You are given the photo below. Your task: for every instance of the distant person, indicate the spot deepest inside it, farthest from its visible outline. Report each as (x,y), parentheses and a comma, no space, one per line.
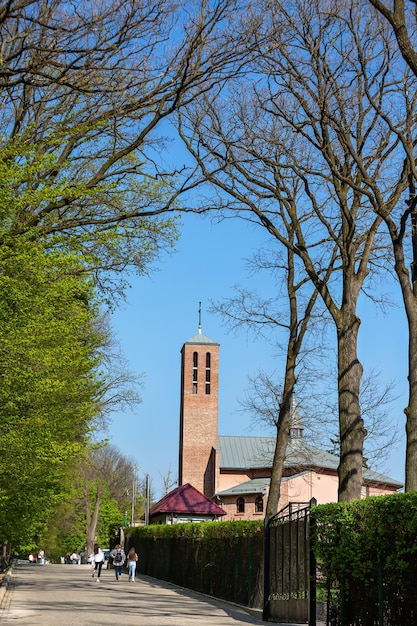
(30,557)
(119,557)
(41,556)
(132,559)
(97,560)
(62,559)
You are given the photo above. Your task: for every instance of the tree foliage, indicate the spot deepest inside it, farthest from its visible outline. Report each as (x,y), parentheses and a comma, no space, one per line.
(85,91)
(49,361)
(100,493)
(93,505)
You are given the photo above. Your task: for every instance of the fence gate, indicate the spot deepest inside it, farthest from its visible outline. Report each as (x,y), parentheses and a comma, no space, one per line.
(289,575)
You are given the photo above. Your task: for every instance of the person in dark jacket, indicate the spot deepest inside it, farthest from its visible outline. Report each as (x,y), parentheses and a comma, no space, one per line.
(118,556)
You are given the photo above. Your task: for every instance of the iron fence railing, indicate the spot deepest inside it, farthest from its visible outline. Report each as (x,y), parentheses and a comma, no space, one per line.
(289,590)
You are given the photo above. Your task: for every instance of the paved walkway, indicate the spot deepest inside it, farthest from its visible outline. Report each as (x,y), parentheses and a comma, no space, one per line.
(66,595)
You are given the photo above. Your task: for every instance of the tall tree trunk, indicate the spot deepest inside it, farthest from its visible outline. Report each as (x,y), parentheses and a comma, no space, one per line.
(298,329)
(409,292)
(411,409)
(283,432)
(91,520)
(352,432)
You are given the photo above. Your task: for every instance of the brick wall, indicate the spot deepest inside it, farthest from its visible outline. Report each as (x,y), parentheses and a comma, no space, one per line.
(198,417)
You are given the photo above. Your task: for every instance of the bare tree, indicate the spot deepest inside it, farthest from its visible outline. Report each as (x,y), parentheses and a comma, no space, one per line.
(118,387)
(168,481)
(402,18)
(104,468)
(85,87)
(246,309)
(309,114)
(402,224)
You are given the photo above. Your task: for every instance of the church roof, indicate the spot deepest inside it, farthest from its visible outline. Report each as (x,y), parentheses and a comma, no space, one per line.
(202,339)
(254,486)
(240,453)
(186,499)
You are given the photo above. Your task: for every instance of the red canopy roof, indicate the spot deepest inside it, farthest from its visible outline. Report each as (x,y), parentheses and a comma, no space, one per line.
(186,499)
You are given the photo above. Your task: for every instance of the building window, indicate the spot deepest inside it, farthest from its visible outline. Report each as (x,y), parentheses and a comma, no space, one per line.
(208,372)
(259,504)
(240,505)
(195,369)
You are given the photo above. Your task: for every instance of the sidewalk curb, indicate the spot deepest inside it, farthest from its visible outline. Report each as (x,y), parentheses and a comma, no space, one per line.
(252,612)
(256,613)
(4,585)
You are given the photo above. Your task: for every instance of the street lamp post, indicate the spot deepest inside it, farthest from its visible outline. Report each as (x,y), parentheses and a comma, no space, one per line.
(147,501)
(135,468)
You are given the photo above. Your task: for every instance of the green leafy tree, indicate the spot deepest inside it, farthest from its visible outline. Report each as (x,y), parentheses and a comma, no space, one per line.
(49,364)
(105,477)
(94,82)
(95,504)
(85,88)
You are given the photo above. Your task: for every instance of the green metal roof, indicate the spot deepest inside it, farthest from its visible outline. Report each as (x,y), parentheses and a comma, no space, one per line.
(254,486)
(250,453)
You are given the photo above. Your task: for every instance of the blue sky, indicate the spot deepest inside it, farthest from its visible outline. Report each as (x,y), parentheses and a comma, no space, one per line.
(161,313)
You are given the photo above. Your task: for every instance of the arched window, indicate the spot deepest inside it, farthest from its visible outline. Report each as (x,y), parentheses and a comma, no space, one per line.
(240,505)
(195,369)
(208,372)
(259,504)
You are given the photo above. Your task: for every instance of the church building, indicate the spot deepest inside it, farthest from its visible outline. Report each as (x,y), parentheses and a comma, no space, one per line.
(234,472)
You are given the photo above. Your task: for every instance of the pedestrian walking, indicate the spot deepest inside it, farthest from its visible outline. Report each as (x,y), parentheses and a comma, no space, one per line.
(132,559)
(119,557)
(97,560)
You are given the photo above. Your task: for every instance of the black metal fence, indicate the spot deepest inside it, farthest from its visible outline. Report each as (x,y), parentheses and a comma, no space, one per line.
(363,573)
(289,568)
(226,568)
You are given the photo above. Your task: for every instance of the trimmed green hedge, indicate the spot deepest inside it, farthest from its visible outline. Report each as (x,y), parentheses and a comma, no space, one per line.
(221,559)
(366,553)
(366,556)
(226,530)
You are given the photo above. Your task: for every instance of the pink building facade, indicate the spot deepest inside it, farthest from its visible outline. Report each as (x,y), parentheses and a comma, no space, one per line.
(234,472)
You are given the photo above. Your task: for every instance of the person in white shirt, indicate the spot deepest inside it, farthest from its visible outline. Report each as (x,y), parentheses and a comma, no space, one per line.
(97,559)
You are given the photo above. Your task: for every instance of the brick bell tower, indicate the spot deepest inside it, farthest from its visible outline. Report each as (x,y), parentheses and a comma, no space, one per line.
(199,413)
